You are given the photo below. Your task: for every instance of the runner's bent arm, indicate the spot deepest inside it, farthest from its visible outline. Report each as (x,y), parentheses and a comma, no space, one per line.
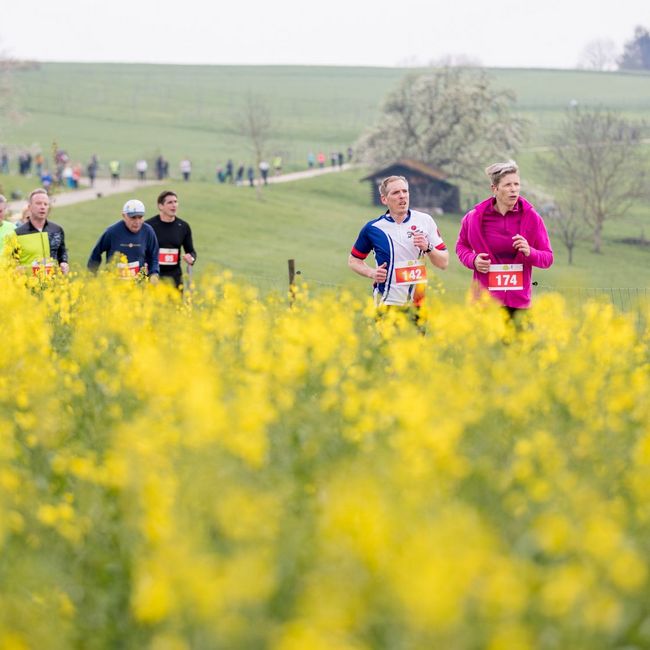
(188,246)
(433,246)
(62,252)
(541,253)
(465,253)
(152,250)
(359,266)
(361,249)
(95,258)
(439,258)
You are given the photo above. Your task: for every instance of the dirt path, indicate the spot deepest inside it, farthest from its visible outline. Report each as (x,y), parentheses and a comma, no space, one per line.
(104,187)
(308,173)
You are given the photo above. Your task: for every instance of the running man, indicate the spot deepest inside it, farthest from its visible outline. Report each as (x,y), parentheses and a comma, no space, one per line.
(173,234)
(401,239)
(41,243)
(134,239)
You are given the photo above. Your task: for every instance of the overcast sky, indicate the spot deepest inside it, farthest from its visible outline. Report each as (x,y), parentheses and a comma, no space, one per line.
(509,33)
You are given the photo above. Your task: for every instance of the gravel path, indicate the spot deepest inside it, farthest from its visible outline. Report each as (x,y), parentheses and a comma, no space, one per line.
(103,187)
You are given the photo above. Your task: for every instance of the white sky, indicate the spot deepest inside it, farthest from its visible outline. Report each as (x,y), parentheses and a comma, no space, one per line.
(509,33)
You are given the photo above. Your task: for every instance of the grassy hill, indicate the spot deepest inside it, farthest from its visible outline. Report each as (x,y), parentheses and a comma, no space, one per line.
(544,95)
(315,222)
(129,111)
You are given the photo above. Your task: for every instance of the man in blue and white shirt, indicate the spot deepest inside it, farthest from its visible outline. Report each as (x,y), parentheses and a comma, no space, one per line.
(401,240)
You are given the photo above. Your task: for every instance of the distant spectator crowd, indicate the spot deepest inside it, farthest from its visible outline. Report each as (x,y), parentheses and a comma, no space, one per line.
(64,172)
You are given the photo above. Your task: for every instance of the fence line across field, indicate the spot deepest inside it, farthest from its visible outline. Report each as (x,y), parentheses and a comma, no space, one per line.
(623,298)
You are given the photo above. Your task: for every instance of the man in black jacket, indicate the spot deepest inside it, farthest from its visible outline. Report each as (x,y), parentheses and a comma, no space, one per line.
(41,243)
(173,234)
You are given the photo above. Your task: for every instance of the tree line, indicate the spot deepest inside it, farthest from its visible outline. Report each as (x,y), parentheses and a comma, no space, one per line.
(602,54)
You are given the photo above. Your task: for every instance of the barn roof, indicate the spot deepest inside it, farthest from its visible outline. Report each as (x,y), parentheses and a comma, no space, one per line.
(413,165)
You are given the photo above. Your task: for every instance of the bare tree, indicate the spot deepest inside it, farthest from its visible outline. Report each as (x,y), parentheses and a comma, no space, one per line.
(565,222)
(596,159)
(599,54)
(450,118)
(256,124)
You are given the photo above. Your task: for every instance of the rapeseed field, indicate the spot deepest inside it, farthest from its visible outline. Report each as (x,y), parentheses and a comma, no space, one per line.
(232,472)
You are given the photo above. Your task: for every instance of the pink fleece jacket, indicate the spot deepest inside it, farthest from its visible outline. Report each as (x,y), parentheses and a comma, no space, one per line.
(472,241)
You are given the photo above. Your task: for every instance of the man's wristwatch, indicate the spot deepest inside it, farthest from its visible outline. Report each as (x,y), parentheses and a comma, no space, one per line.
(429,248)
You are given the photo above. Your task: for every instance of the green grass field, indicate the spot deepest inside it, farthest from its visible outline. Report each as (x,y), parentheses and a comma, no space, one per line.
(315,222)
(129,111)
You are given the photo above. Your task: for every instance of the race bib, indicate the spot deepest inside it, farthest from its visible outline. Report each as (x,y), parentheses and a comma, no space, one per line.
(505,277)
(128,269)
(411,272)
(38,267)
(168,256)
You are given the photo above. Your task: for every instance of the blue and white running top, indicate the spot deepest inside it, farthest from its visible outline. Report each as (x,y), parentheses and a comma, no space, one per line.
(392,243)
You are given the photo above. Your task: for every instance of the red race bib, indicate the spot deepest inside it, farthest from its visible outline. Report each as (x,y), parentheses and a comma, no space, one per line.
(411,272)
(506,277)
(128,270)
(47,268)
(168,256)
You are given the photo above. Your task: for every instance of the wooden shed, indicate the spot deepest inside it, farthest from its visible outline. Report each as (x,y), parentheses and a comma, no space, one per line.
(428,187)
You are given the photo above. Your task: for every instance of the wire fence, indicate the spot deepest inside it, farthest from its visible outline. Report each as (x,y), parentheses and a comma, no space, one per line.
(622,298)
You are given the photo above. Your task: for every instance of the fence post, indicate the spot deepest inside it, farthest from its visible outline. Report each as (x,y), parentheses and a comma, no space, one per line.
(292,278)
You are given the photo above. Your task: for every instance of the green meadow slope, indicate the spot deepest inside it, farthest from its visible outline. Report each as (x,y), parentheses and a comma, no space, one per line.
(133,110)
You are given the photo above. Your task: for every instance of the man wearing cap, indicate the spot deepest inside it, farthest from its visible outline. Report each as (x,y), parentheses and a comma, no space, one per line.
(134,239)
(41,243)
(173,234)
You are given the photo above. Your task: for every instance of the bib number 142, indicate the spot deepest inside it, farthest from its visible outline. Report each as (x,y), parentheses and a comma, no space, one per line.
(411,272)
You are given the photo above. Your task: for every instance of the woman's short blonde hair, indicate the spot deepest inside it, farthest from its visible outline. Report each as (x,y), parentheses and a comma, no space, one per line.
(496,171)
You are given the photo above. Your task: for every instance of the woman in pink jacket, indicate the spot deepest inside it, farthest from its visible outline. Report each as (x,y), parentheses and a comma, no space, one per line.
(502,238)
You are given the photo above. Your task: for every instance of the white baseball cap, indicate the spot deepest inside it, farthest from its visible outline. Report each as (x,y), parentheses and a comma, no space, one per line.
(133,208)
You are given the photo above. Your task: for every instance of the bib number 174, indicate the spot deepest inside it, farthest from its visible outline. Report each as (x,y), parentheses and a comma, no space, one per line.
(505,277)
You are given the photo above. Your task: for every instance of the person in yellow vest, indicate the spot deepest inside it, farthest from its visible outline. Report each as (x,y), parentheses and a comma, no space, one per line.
(6,227)
(41,243)
(6,230)
(114,169)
